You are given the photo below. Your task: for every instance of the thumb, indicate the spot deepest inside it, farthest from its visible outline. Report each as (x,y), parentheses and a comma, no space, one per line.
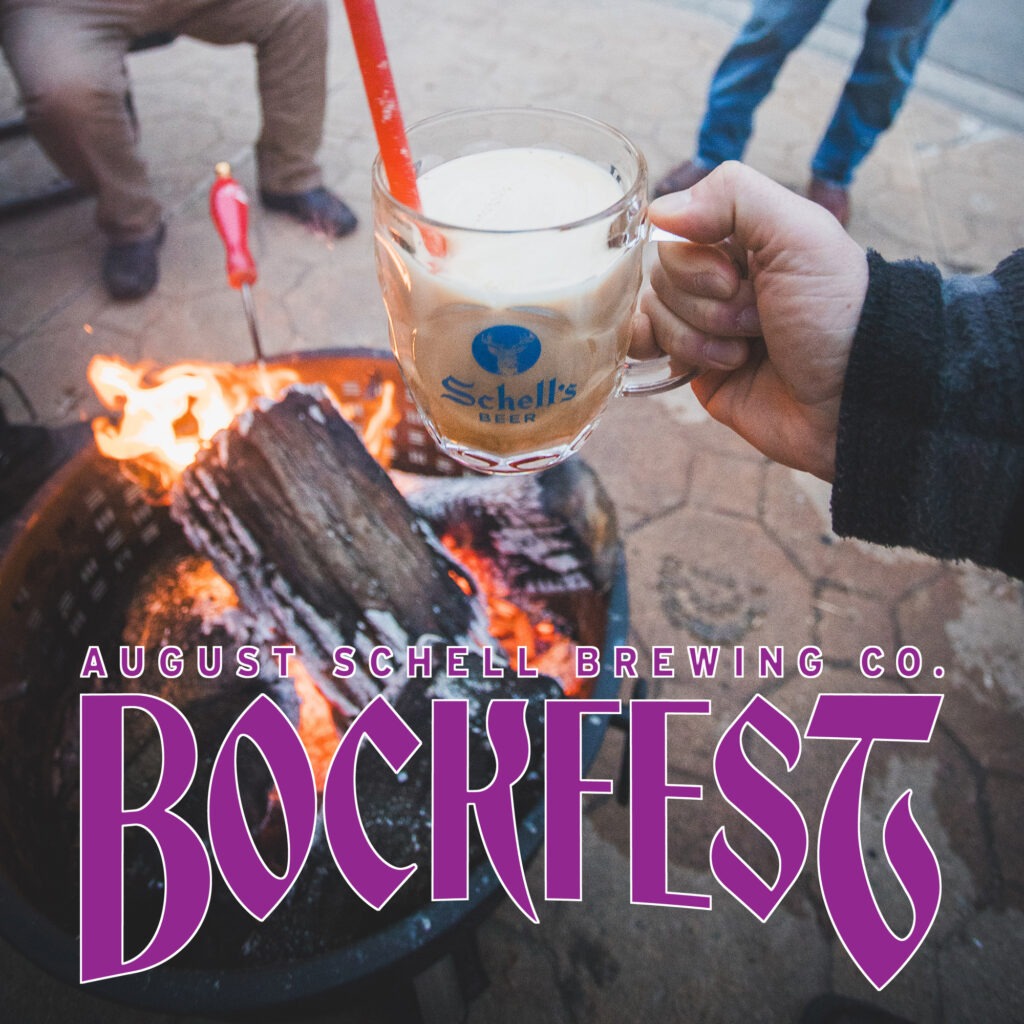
(736,201)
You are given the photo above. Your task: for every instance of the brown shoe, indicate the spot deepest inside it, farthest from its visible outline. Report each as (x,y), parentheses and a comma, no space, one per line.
(834,198)
(680,178)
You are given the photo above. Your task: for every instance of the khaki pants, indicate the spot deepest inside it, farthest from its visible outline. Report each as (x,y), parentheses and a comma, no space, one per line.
(68,57)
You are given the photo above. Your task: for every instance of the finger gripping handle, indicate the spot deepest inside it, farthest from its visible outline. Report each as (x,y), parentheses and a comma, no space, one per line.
(229,208)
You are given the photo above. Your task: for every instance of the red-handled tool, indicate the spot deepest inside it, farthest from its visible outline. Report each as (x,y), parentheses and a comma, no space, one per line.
(229,208)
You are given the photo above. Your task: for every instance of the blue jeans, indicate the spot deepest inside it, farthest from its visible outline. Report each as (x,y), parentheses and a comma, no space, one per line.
(896,35)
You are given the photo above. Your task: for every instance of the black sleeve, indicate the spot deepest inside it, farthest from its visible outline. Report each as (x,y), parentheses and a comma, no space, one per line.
(930,451)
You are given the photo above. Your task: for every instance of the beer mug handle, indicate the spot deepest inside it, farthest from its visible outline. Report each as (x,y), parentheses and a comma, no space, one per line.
(653,376)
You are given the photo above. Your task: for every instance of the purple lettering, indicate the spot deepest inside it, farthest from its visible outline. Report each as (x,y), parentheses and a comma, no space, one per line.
(588,662)
(873,946)
(564,787)
(869,667)
(344,662)
(649,796)
(908,662)
(761,803)
(209,666)
(523,669)
(661,662)
(132,661)
(455,662)
(248,660)
(187,873)
(379,662)
(420,663)
(253,884)
(770,660)
(809,662)
(372,878)
(170,662)
(490,670)
(93,665)
(493,804)
(281,654)
(625,662)
(703,661)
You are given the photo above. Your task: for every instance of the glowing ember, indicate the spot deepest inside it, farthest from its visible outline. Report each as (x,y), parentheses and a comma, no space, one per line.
(547,650)
(163,416)
(461,582)
(318,728)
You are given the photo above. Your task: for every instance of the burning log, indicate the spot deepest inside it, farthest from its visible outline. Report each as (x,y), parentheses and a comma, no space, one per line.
(545,534)
(316,540)
(544,548)
(184,602)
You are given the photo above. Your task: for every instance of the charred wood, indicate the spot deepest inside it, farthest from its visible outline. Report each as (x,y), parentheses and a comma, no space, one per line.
(316,540)
(547,533)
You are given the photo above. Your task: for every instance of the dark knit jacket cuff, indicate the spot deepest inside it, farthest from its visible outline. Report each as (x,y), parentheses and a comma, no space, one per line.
(929,449)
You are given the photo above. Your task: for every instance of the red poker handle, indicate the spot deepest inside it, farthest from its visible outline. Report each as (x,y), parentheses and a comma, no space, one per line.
(229,208)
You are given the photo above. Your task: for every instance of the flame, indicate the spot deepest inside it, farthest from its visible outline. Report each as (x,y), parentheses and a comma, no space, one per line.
(461,582)
(379,426)
(165,415)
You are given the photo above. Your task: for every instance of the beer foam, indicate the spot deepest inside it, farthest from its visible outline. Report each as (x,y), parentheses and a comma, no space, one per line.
(517,189)
(528,190)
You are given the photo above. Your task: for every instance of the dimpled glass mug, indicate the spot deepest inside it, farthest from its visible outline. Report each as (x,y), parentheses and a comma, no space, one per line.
(510,297)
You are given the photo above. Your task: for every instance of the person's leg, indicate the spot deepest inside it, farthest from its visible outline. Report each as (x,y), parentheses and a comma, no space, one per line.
(743,79)
(747,72)
(290,37)
(895,38)
(71,73)
(69,62)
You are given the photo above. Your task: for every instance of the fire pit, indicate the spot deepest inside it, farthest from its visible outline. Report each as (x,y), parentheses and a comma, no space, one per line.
(77,559)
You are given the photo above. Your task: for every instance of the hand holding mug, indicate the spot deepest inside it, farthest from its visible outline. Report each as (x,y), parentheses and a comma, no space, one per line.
(764,301)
